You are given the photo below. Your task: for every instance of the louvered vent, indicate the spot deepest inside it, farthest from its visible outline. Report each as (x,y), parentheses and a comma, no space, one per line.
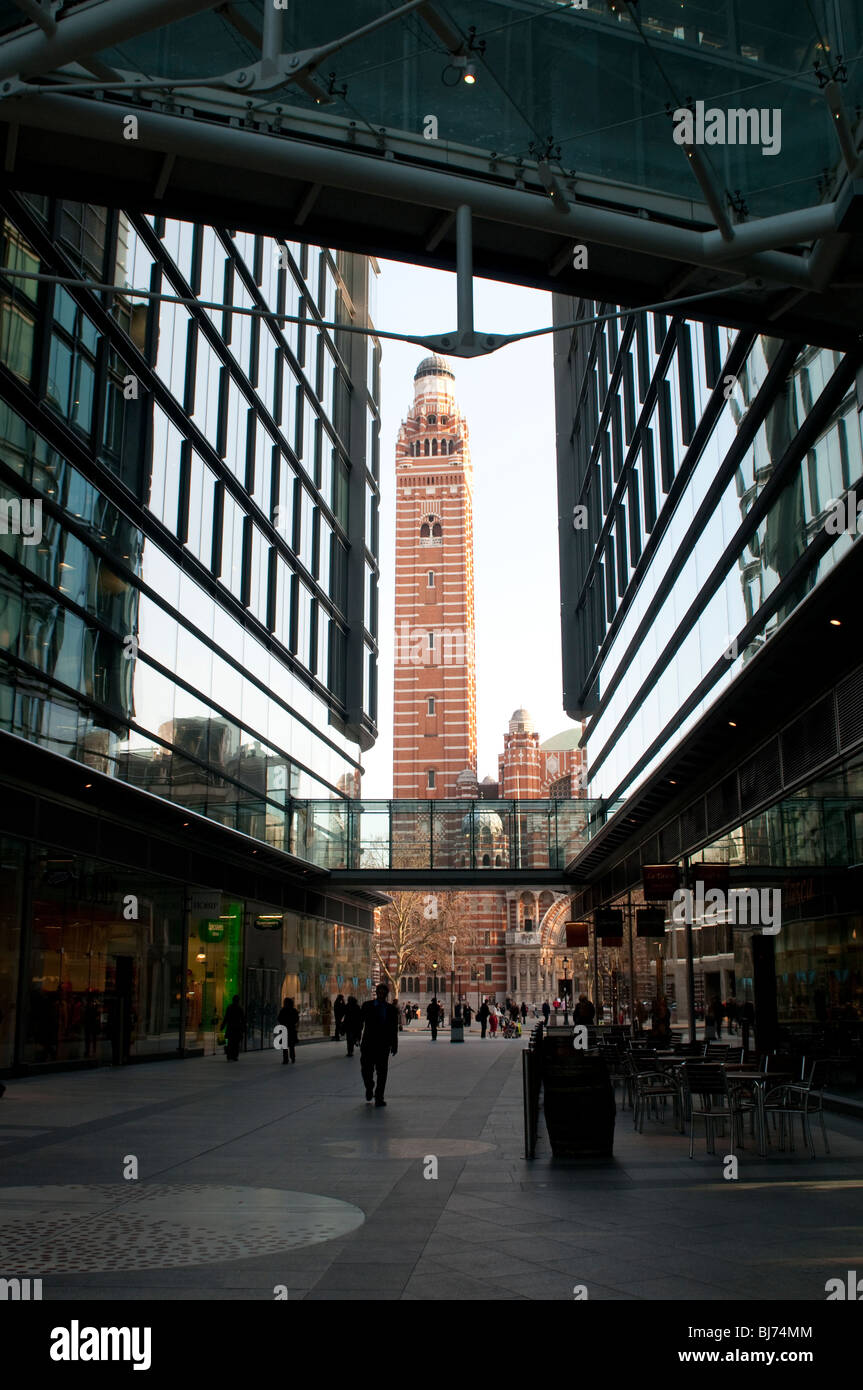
(693,824)
(759,776)
(809,741)
(849,698)
(669,841)
(723,803)
(649,853)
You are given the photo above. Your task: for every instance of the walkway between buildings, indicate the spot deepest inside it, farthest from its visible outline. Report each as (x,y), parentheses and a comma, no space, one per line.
(259,1175)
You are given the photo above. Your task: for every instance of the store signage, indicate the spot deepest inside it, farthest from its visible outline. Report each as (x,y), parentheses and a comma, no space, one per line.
(212,931)
(608,924)
(205,904)
(659,881)
(712,876)
(577,934)
(650,921)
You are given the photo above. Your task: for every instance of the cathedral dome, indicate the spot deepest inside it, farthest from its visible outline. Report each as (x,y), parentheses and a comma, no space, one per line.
(484,820)
(435,365)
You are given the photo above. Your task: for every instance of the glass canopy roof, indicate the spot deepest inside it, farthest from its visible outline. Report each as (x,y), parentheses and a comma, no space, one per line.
(572,102)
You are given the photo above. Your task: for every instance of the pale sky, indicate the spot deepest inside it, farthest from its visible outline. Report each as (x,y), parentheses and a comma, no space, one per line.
(508,398)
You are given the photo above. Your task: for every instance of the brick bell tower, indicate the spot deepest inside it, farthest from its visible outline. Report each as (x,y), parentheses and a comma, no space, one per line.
(434,723)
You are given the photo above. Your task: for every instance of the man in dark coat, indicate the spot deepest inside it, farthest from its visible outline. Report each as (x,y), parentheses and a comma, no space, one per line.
(482,1014)
(234,1027)
(433,1016)
(289,1018)
(339,1015)
(353,1024)
(546,1010)
(379,1042)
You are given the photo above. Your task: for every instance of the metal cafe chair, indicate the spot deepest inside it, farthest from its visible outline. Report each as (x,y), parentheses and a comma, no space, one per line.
(707,1098)
(803,1098)
(652,1087)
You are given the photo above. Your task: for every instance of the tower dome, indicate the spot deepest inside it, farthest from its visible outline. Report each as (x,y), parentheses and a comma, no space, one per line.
(521,722)
(435,365)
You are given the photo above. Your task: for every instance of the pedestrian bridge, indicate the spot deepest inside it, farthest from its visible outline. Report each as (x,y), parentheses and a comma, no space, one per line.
(444,842)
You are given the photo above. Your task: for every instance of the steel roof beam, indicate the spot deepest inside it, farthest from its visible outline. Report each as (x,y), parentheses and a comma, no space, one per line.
(41,14)
(90,30)
(352,171)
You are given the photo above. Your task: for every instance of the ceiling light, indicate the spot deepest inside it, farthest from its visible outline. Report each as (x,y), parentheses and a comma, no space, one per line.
(835,622)
(469,75)
(731,724)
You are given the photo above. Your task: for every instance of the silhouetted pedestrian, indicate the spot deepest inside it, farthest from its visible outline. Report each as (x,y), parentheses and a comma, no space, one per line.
(523,1013)
(482,1014)
(339,1015)
(353,1024)
(234,1027)
(380,1041)
(433,1016)
(546,1011)
(289,1018)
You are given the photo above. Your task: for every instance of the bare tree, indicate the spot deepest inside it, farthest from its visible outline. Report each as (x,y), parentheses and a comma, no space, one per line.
(414,927)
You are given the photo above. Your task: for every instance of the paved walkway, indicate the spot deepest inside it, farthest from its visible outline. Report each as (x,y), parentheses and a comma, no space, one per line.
(258,1175)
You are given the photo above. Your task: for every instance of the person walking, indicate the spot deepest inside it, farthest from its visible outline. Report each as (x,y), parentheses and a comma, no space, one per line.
(234,1028)
(482,1017)
(467,1015)
(353,1024)
(492,1021)
(584,1011)
(433,1016)
(546,1011)
(339,1015)
(408,1013)
(523,1013)
(379,1042)
(289,1019)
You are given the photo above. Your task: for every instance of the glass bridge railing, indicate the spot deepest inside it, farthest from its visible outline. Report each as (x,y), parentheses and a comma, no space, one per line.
(381,836)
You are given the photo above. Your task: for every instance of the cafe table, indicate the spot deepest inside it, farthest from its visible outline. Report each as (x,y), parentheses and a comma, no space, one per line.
(761,1082)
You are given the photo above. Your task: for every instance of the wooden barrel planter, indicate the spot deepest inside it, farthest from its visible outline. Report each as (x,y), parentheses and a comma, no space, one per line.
(578,1100)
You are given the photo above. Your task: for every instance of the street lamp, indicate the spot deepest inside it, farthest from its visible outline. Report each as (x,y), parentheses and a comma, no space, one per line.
(435,969)
(565,990)
(452,941)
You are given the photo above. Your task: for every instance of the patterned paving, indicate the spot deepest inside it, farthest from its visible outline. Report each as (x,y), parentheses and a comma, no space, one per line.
(137,1226)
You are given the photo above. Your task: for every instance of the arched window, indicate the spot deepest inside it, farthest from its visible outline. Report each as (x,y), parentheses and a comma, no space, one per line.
(434,447)
(497,861)
(443,446)
(427,448)
(437,529)
(444,419)
(486,862)
(432,419)
(424,531)
(452,446)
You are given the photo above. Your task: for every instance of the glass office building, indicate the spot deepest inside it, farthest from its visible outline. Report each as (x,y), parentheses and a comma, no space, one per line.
(709,613)
(188,614)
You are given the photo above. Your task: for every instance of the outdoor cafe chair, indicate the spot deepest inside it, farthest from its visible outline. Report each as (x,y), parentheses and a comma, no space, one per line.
(707,1096)
(652,1088)
(803,1098)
